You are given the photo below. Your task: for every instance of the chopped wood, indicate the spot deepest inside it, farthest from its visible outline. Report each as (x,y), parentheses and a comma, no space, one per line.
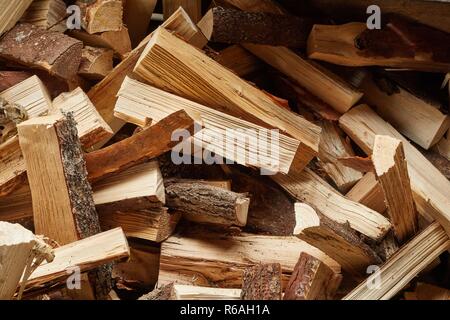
(137,16)
(262,282)
(312,280)
(227,93)
(86,254)
(145,145)
(202,203)
(48,14)
(332,147)
(369,193)
(239,60)
(34,47)
(90,125)
(186,292)
(339,241)
(96,63)
(235,26)
(397,272)
(11,78)
(360,164)
(430,188)
(11,11)
(443,146)
(138,102)
(101,15)
(400,43)
(392,173)
(309,188)
(118,41)
(205,258)
(192,7)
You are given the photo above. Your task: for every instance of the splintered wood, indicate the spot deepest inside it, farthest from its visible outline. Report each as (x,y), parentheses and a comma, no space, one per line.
(224,150)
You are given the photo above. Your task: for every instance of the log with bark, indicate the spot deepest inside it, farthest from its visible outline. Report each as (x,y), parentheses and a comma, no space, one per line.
(262,282)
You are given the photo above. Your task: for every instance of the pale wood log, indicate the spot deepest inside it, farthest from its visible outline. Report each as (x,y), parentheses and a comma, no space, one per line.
(309,188)
(10,13)
(430,187)
(101,15)
(137,103)
(312,280)
(392,173)
(48,14)
(192,7)
(360,164)
(339,241)
(332,147)
(96,63)
(227,93)
(184,292)
(397,272)
(137,16)
(262,282)
(369,193)
(34,47)
(238,60)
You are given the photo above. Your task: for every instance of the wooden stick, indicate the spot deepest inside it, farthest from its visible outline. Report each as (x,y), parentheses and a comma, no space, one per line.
(430,187)
(251,104)
(392,173)
(312,280)
(186,292)
(405,45)
(192,7)
(337,240)
(309,188)
(403,266)
(101,15)
(203,203)
(11,11)
(56,53)
(96,63)
(235,26)
(369,193)
(262,282)
(146,145)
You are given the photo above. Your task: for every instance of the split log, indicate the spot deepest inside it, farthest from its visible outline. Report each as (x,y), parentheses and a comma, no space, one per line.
(312,280)
(202,203)
(138,102)
(118,41)
(332,147)
(137,16)
(48,14)
(410,260)
(235,26)
(192,7)
(392,173)
(262,282)
(96,63)
(11,11)
(417,119)
(103,95)
(20,252)
(86,254)
(101,15)
(203,258)
(185,292)
(400,43)
(337,240)
(369,193)
(227,93)
(239,60)
(145,145)
(360,164)
(38,48)
(90,125)
(309,188)
(430,187)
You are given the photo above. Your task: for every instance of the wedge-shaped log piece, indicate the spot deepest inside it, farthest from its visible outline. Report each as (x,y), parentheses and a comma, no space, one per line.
(369,193)
(235,26)
(392,173)
(34,47)
(202,203)
(145,145)
(101,15)
(312,280)
(430,188)
(225,135)
(226,93)
(399,44)
(90,125)
(309,188)
(262,282)
(10,13)
(337,240)
(200,257)
(86,254)
(404,266)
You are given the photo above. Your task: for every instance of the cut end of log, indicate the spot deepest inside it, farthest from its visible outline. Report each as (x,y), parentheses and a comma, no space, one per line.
(385,149)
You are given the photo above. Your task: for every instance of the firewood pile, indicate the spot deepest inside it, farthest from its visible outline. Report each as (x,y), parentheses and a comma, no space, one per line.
(226,149)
